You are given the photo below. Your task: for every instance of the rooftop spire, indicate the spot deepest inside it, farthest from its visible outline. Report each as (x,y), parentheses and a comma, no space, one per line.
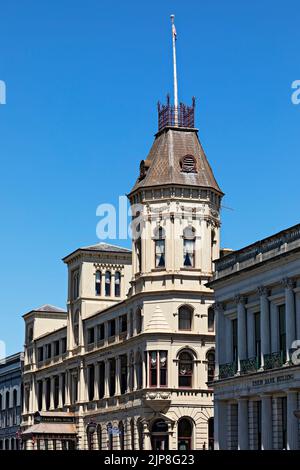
(174,37)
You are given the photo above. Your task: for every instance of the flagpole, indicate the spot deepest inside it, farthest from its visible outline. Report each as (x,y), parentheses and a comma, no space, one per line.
(175,71)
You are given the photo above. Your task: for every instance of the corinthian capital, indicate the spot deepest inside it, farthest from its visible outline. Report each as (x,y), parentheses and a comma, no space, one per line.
(218,307)
(262,291)
(239,299)
(288,283)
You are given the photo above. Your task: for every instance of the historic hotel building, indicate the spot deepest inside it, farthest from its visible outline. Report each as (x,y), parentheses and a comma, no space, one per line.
(127,365)
(257,382)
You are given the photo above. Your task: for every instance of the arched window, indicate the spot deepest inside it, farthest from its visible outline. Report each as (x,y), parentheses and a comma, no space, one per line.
(132,434)
(107,283)
(121,435)
(160,255)
(110,440)
(76,328)
(185,434)
(99,436)
(189,238)
(138,250)
(211,320)
(139,321)
(185,369)
(185,318)
(75,283)
(210,357)
(98,283)
(159,435)
(117,284)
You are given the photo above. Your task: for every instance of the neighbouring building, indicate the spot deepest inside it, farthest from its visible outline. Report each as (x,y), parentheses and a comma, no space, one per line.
(257,377)
(10,401)
(127,365)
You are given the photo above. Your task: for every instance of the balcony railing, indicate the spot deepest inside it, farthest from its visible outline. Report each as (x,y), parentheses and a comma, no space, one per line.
(227,370)
(274,360)
(249,365)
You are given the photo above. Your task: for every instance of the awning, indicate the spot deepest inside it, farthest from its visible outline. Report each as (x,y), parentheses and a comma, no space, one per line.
(50,428)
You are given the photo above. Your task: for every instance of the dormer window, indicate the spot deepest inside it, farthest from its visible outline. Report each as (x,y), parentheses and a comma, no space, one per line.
(188,164)
(144,165)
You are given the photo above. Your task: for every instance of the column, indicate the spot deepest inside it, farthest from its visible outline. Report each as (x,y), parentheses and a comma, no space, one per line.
(106,377)
(266,423)
(220,350)
(117,378)
(290,318)
(250,334)
(264,322)
(96,381)
(243,437)
(292,422)
(52,393)
(82,384)
(220,424)
(242,339)
(44,395)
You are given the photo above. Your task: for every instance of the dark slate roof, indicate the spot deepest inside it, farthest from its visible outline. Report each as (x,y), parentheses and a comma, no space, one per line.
(49,309)
(106,247)
(99,247)
(163,161)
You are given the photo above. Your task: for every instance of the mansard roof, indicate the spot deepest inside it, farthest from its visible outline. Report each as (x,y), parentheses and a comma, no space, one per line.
(163,165)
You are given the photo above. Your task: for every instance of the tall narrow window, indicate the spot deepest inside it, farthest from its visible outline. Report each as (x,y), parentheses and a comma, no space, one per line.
(75,284)
(139,367)
(138,250)
(112,328)
(257,337)
(121,435)
(123,374)
(163,368)
(112,377)
(160,248)
(185,316)
(210,357)
(132,434)
(98,283)
(107,283)
(185,369)
(153,369)
(76,328)
(282,331)
(56,391)
(101,379)
(110,436)
(99,436)
(211,320)
(91,381)
(139,321)
(117,284)
(234,342)
(189,237)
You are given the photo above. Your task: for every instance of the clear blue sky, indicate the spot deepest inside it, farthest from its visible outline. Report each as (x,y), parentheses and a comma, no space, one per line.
(83,80)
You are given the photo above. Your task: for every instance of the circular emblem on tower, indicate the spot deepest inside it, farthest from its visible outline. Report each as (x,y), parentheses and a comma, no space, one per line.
(188,164)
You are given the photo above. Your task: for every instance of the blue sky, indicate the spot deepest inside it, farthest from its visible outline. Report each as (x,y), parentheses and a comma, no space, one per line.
(83,80)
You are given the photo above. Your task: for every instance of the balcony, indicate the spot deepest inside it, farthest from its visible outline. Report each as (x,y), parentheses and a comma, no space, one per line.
(274,360)
(249,365)
(227,370)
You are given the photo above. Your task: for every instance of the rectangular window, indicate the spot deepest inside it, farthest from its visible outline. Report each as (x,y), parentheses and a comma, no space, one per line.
(48,351)
(112,377)
(283,406)
(63,391)
(56,348)
(91,382)
(91,335)
(159,253)
(234,341)
(257,336)
(63,345)
(282,331)
(123,375)
(40,354)
(101,379)
(111,328)
(123,324)
(189,253)
(158,368)
(100,332)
